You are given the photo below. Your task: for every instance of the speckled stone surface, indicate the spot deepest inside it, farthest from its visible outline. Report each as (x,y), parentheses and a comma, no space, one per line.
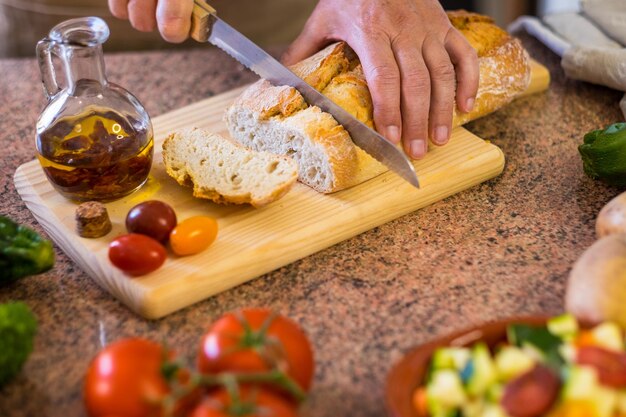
(499,249)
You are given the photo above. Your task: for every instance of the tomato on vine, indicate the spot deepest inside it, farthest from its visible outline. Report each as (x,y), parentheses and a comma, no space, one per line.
(128,378)
(247,402)
(257,340)
(253,363)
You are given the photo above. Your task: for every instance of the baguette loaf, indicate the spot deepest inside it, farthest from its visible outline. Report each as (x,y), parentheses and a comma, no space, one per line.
(277,119)
(224,171)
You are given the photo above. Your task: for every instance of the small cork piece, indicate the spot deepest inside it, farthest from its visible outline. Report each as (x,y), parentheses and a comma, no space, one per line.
(92,220)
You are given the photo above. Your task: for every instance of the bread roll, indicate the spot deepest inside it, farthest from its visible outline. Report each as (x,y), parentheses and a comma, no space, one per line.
(222,170)
(277,119)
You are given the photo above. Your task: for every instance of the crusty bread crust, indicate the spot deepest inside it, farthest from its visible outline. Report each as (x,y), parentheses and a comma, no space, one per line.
(263,114)
(504,64)
(504,69)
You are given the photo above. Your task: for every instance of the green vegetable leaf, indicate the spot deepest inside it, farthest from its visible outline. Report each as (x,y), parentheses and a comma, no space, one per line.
(540,338)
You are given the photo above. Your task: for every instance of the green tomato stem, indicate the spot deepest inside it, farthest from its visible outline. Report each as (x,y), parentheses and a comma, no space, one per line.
(230,381)
(274,377)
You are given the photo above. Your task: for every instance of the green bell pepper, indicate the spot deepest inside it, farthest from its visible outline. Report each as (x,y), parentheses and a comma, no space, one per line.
(18,326)
(22,252)
(604,154)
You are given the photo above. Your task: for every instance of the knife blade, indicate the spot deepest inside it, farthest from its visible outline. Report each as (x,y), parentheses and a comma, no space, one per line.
(206,26)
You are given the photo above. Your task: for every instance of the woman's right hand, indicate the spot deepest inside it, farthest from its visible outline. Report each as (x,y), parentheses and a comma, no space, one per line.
(171,17)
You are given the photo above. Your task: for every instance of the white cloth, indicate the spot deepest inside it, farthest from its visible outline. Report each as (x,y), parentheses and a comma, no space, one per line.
(588,54)
(610,15)
(578,30)
(604,66)
(535,27)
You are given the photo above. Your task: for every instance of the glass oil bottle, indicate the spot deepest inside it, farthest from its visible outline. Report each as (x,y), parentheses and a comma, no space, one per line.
(94,139)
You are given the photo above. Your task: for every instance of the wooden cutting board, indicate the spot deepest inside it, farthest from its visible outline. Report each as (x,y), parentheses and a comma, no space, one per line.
(252,242)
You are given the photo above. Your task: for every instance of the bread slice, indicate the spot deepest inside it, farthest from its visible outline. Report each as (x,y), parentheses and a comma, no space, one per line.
(224,171)
(276,118)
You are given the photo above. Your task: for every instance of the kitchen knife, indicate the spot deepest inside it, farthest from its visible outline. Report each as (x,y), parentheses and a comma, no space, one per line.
(207,27)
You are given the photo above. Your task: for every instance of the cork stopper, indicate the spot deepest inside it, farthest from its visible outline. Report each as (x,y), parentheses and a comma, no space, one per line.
(92,220)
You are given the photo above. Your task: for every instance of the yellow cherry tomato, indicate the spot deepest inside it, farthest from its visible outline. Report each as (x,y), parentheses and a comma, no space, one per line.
(193,235)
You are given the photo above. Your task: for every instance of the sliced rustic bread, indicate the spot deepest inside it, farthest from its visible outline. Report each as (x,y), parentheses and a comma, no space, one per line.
(276,118)
(224,171)
(307,134)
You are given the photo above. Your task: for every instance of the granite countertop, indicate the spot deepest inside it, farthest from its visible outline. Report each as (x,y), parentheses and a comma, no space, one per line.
(499,249)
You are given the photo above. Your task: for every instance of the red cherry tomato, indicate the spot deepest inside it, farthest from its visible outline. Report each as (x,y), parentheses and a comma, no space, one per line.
(136,254)
(151,218)
(256,402)
(125,380)
(255,340)
(193,235)
(611,366)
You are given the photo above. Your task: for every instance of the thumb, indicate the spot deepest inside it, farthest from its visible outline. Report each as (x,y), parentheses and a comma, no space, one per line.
(174,19)
(306,44)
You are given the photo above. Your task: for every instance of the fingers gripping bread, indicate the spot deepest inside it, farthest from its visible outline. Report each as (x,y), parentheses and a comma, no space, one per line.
(504,64)
(221,170)
(276,118)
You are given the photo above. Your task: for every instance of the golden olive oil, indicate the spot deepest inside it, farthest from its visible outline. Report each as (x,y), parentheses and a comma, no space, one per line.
(97,155)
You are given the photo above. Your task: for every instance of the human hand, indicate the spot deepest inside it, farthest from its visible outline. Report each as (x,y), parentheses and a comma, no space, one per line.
(415,63)
(172,17)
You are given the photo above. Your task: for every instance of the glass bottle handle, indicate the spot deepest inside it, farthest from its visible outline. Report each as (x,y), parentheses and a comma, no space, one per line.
(45,51)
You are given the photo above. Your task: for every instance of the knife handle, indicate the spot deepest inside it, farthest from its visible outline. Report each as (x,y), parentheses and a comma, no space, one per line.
(201,20)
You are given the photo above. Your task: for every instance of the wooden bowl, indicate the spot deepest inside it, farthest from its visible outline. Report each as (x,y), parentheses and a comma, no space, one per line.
(410,371)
